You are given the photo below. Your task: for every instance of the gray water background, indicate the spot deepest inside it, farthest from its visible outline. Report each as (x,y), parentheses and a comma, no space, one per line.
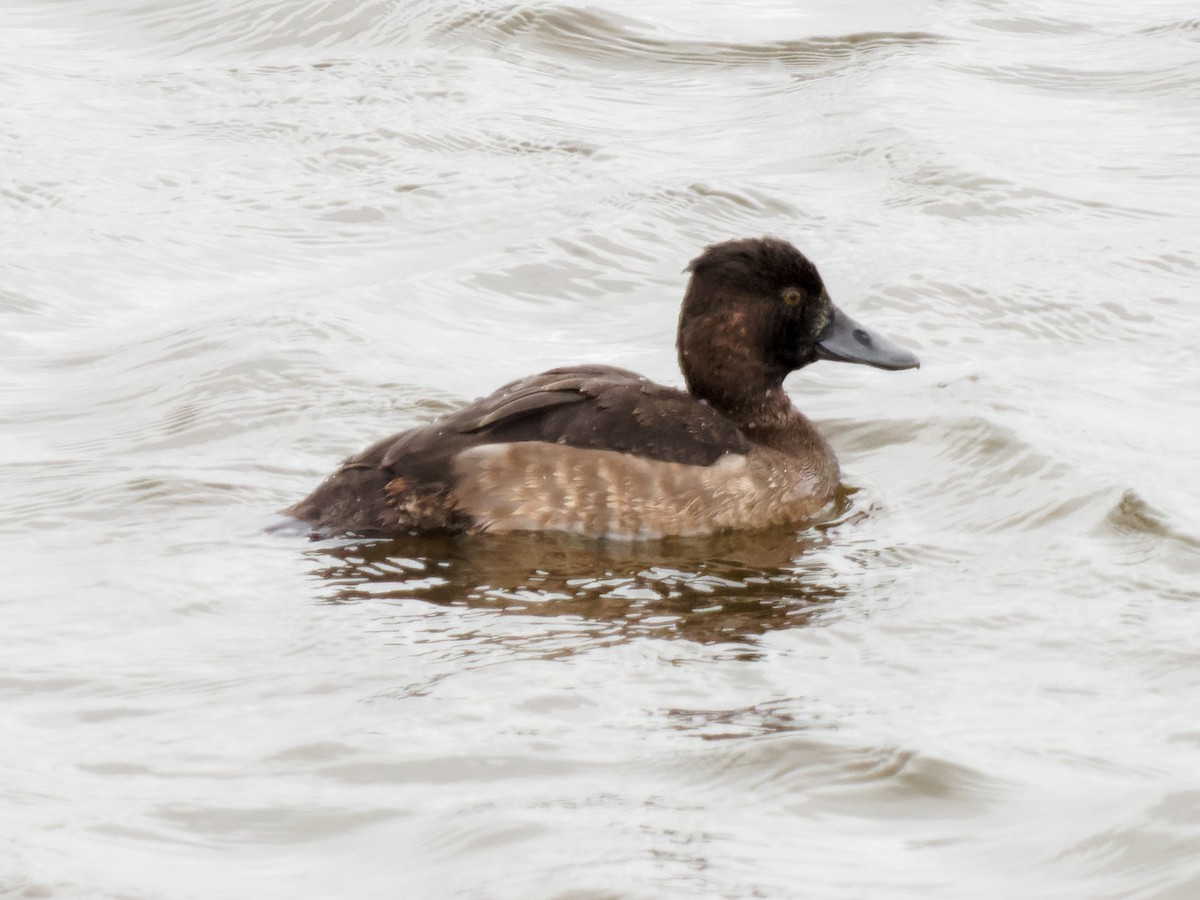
(242,240)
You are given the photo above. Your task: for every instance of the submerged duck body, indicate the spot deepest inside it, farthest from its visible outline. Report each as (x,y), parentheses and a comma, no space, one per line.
(602,451)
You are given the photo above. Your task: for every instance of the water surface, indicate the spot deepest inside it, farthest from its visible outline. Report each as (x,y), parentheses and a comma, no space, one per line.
(243,240)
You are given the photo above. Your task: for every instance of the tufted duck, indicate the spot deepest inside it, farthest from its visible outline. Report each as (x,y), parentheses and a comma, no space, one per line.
(602,451)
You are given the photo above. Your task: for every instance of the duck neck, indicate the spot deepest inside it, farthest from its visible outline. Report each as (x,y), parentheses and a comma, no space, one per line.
(773,421)
(761,410)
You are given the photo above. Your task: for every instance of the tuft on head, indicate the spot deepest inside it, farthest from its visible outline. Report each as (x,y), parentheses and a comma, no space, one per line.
(759,265)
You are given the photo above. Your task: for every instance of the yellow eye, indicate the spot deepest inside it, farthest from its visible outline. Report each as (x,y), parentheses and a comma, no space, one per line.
(791,296)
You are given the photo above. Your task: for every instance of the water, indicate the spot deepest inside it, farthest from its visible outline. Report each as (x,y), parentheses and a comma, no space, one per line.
(242,240)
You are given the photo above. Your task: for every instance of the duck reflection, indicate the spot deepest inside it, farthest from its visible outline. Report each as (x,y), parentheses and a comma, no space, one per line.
(721,589)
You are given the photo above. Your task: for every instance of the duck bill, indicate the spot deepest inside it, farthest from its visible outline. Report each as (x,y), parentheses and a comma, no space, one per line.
(844,340)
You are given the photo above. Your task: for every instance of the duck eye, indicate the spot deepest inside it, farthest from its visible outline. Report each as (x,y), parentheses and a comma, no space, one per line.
(791,296)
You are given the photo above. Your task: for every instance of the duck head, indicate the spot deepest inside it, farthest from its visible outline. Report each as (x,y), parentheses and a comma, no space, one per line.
(756,310)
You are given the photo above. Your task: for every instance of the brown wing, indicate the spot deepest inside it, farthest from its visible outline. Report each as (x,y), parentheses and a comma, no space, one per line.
(591,407)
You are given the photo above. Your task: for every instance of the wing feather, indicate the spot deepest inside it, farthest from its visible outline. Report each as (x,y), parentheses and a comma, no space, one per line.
(590,407)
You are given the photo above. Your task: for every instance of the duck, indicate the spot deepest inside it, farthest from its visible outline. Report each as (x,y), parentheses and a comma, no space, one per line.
(603,452)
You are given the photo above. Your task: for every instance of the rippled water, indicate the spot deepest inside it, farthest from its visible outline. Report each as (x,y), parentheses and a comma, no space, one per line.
(242,240)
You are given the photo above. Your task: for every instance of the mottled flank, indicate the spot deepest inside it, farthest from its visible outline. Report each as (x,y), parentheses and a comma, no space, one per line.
(545,487)
(602,451)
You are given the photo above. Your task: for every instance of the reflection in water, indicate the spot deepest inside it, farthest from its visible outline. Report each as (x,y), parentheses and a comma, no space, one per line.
(725,588)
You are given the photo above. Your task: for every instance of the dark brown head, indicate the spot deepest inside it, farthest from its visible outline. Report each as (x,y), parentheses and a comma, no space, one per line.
(755,310)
